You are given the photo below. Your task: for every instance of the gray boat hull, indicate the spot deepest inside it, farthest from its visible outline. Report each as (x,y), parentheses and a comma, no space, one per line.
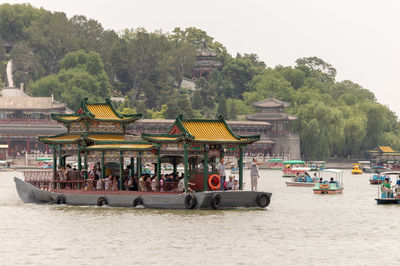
(204,200)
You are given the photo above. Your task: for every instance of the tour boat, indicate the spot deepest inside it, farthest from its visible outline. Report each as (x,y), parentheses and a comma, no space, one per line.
(289,165)
(356,169)
(98,133)
(275,164)
(327,186)
(392,196)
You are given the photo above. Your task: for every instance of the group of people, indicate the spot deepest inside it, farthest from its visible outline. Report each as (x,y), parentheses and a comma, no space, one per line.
(387,190)
(129,182)
(146,182)
(233,184)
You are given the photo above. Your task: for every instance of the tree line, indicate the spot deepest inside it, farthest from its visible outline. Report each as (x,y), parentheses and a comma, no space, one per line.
(76,57)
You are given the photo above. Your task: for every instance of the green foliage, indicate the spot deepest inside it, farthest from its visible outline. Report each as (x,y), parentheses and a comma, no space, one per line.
(81,76)
(162,114)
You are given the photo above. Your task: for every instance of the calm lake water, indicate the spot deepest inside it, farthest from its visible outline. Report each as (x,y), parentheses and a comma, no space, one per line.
(298,228)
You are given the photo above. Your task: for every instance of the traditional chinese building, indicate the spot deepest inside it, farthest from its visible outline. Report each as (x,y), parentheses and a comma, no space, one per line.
(280,139)
(206,63)
(23,118)
(98,132)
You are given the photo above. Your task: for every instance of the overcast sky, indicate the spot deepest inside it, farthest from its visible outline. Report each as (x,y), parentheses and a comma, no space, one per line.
(361,39)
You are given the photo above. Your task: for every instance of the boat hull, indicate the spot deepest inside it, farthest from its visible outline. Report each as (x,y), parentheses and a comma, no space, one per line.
(375,182)
(299,184)
(158,200)
(388,201)
(328,191)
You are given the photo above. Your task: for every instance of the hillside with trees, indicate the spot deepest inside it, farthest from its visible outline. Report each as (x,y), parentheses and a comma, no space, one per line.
(73,58)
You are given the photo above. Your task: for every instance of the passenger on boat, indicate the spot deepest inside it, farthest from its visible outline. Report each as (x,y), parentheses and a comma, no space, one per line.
(99,184)
(129,184)
(108,182)
(221,172)
(230,183)
(235,185)
(298,178)
(68,176)
(181,185)
(114,183)
(321,180)
(386,189)
(332,181)
(154,183)
(315,178)
(142,183)
(61,175)
(255,174)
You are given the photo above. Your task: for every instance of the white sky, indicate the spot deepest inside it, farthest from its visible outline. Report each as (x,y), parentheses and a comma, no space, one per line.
(360,38)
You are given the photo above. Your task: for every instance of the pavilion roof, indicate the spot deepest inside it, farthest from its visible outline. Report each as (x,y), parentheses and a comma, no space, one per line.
(271,103)
(385,149)
(96,111)
(200,130)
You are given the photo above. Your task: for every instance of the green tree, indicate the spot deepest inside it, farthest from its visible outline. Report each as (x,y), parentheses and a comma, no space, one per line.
(318,67)
(81,76)
(222,108)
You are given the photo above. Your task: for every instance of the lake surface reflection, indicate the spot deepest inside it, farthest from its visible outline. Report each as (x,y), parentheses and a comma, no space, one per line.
(297,228)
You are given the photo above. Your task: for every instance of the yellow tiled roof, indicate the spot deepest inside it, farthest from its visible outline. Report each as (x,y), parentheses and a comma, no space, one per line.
(165,138)
(209,131)
(69,117)
(106,137)
(121,146)
(103,111)
(386,149)
(63,138)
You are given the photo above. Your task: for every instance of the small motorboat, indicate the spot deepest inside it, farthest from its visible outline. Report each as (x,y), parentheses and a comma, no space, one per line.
(389,195)
(274,164)
(316,165)
(356,169)
(289,165)
(304,181)
(378,178)
(333,186)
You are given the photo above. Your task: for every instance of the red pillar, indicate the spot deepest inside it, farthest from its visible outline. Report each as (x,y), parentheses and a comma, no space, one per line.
(28,145)
(9,146)
(47,149)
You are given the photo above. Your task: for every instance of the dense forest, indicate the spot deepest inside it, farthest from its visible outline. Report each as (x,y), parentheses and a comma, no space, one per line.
(75,57)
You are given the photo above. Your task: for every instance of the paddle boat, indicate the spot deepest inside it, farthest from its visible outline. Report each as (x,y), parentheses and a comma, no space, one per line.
(389,195)
(302,180)
(316,165)
(379,178)
(332,186)
(287,170)
(274,164)
(98,133)
(356,169)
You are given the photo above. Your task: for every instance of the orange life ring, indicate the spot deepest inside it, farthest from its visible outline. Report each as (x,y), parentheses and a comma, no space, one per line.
(324,186)
(211,179)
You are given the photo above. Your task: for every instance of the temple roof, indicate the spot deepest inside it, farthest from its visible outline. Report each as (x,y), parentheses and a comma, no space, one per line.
(17,99)
(96,111)
(199,130)
(271,103)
